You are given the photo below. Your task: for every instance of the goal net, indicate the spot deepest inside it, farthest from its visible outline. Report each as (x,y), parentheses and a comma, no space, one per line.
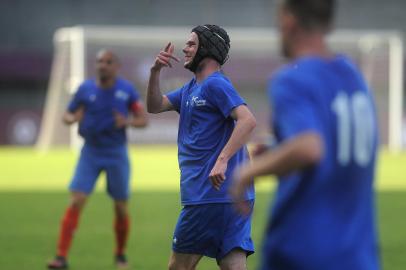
(254,55)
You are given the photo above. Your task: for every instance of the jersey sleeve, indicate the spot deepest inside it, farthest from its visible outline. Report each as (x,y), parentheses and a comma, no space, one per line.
(134,102)
(294,109)
(175,98)
(77,99)
(224,96)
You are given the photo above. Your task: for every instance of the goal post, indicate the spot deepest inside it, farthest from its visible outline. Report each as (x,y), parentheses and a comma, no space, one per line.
(254,55)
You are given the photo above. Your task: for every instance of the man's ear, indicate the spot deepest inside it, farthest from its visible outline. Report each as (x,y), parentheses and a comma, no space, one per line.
(290,21)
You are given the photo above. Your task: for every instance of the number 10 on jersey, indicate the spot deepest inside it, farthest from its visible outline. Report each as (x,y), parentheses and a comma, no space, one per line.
(355,128)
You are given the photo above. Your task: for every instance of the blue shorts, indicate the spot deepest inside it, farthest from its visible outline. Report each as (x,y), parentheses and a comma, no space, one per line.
(93,160)
(212,230)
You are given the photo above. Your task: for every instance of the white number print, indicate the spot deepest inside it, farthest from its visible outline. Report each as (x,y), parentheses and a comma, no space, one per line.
(354,113)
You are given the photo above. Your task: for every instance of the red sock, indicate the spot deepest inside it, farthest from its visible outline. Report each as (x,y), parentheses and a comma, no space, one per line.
(121,228)
(68,227)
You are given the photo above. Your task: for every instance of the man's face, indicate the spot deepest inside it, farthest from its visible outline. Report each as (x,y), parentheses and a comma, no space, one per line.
(286,29)
(190,49)
(106,65)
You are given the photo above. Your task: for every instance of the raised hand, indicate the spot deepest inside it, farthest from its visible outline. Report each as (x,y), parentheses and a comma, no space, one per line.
(164,57)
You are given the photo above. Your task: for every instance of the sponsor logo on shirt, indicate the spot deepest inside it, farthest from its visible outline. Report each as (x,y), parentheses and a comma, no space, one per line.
(198,102)
(120,94)
(92,98)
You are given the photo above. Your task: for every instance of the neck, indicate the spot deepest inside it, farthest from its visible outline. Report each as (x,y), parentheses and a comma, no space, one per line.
(206,67)
(308,44)
(106,83)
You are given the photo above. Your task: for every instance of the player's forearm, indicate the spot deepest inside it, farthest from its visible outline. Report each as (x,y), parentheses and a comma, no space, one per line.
(239,137)
(154,95)
(296,154)
(138,122)
(69,118)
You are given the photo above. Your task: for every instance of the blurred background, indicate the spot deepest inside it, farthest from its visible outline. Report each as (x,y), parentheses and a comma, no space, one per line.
(27,49)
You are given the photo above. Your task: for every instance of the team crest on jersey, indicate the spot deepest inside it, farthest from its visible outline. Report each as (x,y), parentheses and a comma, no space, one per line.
(120,94)
(198,101)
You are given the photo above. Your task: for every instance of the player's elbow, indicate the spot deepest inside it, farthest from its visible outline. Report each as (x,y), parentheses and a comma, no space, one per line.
(151,108)
(248,121)
(314,150)
(68,118)
(252,122)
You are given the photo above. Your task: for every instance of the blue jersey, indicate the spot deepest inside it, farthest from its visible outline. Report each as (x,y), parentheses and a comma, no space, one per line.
(205,126)
(323,217)
(98,124)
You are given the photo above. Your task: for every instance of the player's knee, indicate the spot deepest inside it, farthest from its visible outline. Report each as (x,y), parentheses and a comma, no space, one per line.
(175,265)
(78,200)
(172,264)
(121,209)
(235,260)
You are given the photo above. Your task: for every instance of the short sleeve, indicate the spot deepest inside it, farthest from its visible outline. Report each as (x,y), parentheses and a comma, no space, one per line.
(77,99)
(134,101)
(175,98)
(294,108)
(223,95)
(134,95)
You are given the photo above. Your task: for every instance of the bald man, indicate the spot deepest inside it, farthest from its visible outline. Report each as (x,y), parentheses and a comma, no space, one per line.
(104,107)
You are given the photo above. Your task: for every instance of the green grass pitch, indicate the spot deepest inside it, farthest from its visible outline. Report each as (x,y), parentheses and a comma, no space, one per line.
(33,197)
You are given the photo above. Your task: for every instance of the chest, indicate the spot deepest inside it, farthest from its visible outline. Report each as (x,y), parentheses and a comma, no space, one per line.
(111,99)
(195,102)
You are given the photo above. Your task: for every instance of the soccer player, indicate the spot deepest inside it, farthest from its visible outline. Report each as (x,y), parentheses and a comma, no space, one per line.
(104,107)
(214,126)
(325,125)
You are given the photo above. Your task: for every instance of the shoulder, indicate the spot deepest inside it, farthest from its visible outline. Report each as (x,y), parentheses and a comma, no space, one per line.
(87,85)
(218,82)
(295,77)
(349,64)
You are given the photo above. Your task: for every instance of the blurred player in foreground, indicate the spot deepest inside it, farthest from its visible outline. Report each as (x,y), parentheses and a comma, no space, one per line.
(325,124)
(214,126)
(104,107)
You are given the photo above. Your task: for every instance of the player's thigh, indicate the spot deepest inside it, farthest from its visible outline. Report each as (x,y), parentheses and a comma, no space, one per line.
(118,176)
(182,261)
(234,260)
(237,233)
(86,173)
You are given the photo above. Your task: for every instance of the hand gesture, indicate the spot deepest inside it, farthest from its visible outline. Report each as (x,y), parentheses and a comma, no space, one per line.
(120,120)
(218,173)
(163,59)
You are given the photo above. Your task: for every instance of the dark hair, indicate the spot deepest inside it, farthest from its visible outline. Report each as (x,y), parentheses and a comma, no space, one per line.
(312,14)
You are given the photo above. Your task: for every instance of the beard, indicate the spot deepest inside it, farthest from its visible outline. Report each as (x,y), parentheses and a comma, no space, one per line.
(285,50)
(188,64)
(103,75)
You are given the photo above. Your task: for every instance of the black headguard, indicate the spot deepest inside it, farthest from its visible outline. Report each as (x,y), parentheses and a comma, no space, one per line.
(213,43)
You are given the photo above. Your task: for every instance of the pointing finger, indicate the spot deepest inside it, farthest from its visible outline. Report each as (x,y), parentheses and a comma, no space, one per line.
(167,47)
(169,55)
